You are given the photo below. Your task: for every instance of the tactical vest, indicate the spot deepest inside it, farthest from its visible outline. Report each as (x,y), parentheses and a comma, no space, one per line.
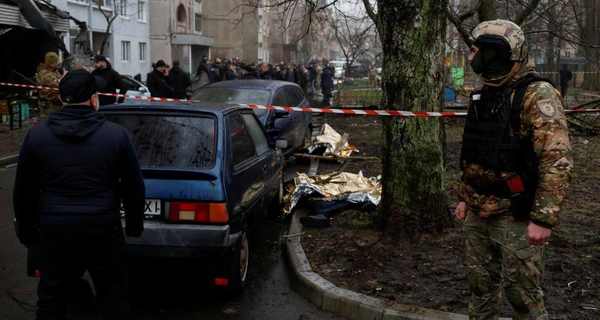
(492,134)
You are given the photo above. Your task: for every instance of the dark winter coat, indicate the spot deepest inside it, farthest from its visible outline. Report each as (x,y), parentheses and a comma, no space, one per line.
(159,85)
(326,81)
(565,76)
(204,67)
(113,82)
(313,73)
(248,76)
(289,77)
(266,75)
(73,170)
(180,80)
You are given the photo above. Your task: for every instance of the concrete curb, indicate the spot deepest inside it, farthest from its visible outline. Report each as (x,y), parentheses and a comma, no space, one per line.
(352,305)
(9,160)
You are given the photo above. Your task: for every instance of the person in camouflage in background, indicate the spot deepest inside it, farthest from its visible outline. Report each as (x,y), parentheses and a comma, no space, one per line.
(510,201)
(48,75)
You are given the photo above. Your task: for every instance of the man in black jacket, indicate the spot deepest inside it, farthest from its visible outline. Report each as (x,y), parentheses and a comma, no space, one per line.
(112,78)
(180,80)
(247,72)
(72,174)
(158,81)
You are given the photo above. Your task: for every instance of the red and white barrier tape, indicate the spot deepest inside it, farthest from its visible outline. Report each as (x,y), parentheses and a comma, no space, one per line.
(364,112)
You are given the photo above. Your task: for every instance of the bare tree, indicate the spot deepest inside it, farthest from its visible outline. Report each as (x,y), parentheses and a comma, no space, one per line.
(111,10)
(353,33)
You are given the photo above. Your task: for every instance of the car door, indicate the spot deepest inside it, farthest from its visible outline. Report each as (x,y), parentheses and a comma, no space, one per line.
(268,159)
(246,185)
(283,123)
(301,122)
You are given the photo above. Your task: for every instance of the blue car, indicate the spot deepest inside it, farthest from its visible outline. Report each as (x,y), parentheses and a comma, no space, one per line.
(295,127)
(209,170)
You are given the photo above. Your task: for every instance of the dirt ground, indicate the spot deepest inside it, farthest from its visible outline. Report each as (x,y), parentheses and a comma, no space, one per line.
(432,274)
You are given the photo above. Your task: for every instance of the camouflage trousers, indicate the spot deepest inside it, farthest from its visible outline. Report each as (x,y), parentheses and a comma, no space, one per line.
(498,256)
(47,108)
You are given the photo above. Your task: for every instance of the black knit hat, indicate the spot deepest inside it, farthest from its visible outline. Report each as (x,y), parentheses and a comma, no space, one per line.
(79,86)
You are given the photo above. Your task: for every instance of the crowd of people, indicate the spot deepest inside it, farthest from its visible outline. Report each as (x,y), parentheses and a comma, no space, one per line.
(167,82)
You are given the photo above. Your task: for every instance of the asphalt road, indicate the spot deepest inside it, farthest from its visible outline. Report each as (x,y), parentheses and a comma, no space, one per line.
(172,291)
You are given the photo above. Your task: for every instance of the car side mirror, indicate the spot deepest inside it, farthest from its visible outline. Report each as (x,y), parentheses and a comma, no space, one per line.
(142,89)
(281,144)
(282,114)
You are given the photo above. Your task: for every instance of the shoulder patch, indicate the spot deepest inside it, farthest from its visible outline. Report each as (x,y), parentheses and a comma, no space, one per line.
(546,107)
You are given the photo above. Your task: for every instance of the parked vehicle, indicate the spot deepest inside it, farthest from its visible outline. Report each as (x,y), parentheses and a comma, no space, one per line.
(339,68)
(295,127)
(209,170)
(135,88)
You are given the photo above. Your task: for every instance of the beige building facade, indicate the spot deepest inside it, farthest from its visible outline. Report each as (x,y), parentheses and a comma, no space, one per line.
(176,32)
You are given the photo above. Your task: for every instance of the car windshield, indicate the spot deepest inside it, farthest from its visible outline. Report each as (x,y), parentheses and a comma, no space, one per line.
(235,95)
(163,141)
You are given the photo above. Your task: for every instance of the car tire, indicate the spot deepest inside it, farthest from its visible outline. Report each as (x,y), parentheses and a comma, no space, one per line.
(238,266)
(274,210)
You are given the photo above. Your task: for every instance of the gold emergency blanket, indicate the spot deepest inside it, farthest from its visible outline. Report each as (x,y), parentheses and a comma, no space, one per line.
(340,185)
(335,144)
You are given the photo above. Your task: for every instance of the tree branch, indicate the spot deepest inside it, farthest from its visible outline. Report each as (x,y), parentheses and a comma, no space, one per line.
(465,35)
(526,12)
(370,12)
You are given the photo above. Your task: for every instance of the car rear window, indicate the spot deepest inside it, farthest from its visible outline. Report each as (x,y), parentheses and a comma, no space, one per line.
(170,141)
(237,95)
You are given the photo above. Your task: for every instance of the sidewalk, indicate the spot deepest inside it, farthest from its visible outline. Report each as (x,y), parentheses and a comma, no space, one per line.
(11,141)
(350,304)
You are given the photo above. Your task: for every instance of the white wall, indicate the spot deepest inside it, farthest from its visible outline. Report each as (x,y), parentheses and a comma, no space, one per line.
(127,28)
(135,31)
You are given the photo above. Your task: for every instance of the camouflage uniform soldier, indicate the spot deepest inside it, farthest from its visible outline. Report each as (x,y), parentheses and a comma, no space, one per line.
(515,167)
(47,75)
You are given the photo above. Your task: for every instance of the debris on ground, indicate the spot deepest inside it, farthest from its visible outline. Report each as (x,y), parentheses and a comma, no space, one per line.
(337,187)
(331,143)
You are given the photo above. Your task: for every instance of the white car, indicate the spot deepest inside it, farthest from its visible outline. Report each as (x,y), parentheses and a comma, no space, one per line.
(339,68)
(134,88)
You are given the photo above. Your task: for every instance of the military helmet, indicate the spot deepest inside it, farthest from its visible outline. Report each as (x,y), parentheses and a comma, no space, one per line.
(502,33)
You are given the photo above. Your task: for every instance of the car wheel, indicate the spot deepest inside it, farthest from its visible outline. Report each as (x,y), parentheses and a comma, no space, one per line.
(274,209)
(238,267)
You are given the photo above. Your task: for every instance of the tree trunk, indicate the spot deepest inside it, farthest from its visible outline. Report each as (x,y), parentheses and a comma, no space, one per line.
(414,197)
(106,35)
(590,35)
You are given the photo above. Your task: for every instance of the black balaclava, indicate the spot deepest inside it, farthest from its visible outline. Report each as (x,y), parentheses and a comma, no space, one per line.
(490,64)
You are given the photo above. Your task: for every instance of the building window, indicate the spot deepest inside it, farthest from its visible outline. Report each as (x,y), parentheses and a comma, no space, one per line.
(125,51)
(103,3)
(198,23)
(123,10)
(181,15)
(141,13)
(142,51)
(82,1)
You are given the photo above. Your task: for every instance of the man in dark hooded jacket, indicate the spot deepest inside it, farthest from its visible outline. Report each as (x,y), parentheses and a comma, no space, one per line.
(113,80)
(180,80)
(247,72)
(158,81)
(73,171)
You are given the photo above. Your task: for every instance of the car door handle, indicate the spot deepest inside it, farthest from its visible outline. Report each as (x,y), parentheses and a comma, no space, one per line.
(264,168)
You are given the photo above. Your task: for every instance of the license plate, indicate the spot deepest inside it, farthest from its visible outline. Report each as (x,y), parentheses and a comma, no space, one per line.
(151,208)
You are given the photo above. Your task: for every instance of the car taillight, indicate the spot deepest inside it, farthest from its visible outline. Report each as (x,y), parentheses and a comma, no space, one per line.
(199,212)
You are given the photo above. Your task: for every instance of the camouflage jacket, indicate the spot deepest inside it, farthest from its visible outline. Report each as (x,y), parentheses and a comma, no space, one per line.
(542,119)
(48,78)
